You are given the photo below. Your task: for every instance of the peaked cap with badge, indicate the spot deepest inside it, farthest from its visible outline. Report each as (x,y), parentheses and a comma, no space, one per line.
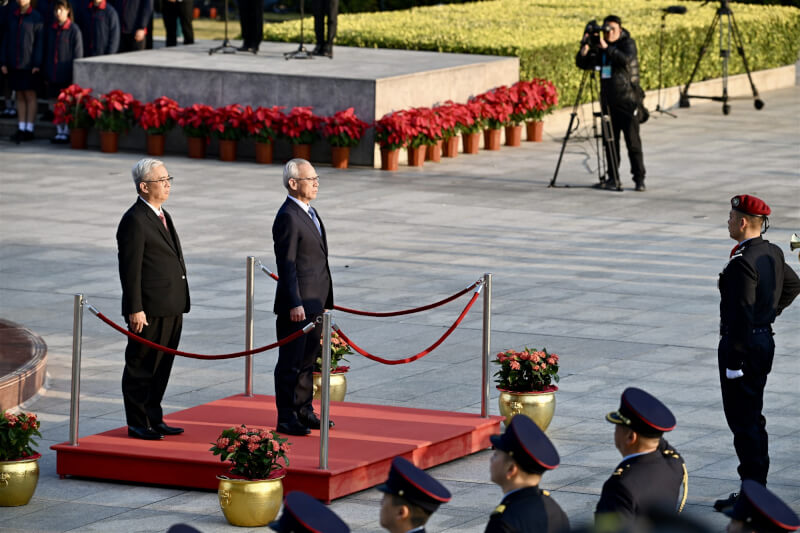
(643,413)
(762,510)
(415,486)
(304,514)
(527,445)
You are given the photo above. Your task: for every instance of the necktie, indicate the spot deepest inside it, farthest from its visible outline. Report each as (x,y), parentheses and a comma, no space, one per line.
(163,221)
(315,219)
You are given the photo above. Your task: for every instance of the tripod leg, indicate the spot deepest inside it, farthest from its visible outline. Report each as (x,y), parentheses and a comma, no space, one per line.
(611,149)
(572,117)
(684,99)
(737,39)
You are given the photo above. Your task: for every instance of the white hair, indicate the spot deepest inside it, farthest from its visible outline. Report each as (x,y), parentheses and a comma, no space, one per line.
(143,168)
(292,170)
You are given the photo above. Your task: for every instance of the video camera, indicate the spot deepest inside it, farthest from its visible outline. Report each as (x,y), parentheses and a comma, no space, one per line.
(592,31)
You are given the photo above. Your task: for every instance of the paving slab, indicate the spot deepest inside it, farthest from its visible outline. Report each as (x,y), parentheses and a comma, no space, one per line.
(621,285)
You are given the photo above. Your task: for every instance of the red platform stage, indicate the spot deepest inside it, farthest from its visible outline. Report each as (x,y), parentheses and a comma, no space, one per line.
(360,449)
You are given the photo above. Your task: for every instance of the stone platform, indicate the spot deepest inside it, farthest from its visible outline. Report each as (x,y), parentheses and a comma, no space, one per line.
(23,362)
(373,81)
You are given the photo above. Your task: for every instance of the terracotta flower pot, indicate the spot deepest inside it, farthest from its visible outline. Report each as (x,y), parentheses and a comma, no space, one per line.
(390,158)
(303,151)
(227,150)
(535,128)
(196,13)
(450,146)
(196,147)
(78,138)
(212,13)
(513,135)
(264,153)
(491,139)
(340,156)
(109,141)
(472,142)
(416,156)
(434,152)
(155,144)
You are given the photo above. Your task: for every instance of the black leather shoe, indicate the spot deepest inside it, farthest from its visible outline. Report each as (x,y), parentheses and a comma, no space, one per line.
(244,48)
(164,429)
(313,421)
(292,428)
(144,433)
(17,137)
(640,187)
(727,503)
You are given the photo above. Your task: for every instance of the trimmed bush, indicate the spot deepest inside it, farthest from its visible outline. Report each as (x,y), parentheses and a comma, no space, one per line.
(545,35)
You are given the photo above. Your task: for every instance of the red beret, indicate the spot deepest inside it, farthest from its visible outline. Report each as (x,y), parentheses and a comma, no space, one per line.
(750,205)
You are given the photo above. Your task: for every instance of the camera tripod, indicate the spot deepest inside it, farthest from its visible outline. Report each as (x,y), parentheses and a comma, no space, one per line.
(607,171)
(301,52)
(725,53)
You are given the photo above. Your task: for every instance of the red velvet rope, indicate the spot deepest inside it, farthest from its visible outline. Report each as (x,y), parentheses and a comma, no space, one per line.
(449,299)
(155,346)
(421,354)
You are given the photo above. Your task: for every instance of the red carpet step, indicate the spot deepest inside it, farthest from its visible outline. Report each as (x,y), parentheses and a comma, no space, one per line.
(361,446)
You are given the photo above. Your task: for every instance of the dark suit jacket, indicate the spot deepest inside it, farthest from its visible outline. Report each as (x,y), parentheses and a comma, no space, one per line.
(301,254)
(151,267)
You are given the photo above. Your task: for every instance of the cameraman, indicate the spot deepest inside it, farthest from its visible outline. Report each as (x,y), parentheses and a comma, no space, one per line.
(611,49)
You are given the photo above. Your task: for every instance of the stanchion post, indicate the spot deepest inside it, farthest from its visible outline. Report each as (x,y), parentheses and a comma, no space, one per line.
(75,394)
(325,400)
(487,332)
(248,327)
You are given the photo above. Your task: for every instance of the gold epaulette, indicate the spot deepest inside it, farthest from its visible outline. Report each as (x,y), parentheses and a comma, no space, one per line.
(671,453)
(546,492)
(619,471)
(499,509)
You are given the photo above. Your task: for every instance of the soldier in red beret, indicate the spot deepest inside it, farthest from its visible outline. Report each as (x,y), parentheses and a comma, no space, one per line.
(755,286)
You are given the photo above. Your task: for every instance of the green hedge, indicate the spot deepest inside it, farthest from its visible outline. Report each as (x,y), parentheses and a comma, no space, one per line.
(545,35)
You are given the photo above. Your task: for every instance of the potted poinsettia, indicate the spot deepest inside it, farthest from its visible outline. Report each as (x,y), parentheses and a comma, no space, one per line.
(527,384)
(447,115)
(118,112)
(262,125)
(495,111)
(427,136)
(343,131)
(19,469)
(251,496)
(392,131)
(301,128)
(539,97)
(228,125)
(470,123)
(338,380)
(194,121)
(156,119)
(74,110)
(518,113)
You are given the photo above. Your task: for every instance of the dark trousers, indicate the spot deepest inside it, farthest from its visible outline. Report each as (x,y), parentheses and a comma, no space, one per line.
(743,400)
(251,19)
(294,385)
(322,9)
(146,373)
(128,44)
(624,122)
(174,12)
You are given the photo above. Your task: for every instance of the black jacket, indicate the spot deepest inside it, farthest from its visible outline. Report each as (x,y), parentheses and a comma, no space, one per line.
(64,44)
(133,14)
(754,287)
(622,88)
(528,510)
(22,47)
(151,267)
(100,29)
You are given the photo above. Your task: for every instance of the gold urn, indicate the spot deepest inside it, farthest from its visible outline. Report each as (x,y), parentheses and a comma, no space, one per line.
(538,406)
(249,503)
(18,481)
(338,386)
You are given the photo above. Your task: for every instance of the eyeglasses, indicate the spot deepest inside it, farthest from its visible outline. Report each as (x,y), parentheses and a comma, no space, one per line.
(162,180)
(315,179)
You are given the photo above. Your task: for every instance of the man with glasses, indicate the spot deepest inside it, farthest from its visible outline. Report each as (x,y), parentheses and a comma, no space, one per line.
(155,294)
(303,293)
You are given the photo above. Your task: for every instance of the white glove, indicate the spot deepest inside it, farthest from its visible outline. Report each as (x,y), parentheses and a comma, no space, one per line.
(733,374)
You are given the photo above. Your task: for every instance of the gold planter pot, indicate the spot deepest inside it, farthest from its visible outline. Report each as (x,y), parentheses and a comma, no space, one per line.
(248,503)
(18,481)
(338,386)
(538,406)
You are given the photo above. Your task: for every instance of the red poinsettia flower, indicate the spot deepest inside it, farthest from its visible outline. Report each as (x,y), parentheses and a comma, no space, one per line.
(118,113)
(159,116)
(195,120)
(495,107)
(262,123)
(72,107)
(228,122)
(300,126)
(393,130)
(344,128)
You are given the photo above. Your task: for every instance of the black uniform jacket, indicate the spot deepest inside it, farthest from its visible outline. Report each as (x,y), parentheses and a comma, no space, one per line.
(133,14)
(642,482)
(100,28)
(64,44)
(151,267)
(301,254)
(528,510)
(755,286)
(23,40)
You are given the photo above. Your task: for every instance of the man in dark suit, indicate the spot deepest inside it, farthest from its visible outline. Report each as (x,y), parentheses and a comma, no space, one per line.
(323,9)
(155,294)
(251,20)
(303,293)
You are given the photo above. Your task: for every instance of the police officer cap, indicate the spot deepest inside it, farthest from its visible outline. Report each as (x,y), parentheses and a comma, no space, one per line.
(302,513)
(762,510)
(182,528)
(643,413)
(414,485)
(750,205)
(527,445)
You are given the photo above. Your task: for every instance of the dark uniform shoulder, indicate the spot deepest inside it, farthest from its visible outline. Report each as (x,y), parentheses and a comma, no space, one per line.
(529,510)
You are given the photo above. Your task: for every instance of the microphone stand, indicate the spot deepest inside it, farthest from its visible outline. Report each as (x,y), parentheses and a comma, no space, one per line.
(660,54)
(226,47)
(301,52)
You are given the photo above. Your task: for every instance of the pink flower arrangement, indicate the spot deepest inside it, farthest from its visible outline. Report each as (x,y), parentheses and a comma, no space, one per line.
(339,348)
(159,116)
(527,371)
(16,436)
(254,452)
(344,128)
